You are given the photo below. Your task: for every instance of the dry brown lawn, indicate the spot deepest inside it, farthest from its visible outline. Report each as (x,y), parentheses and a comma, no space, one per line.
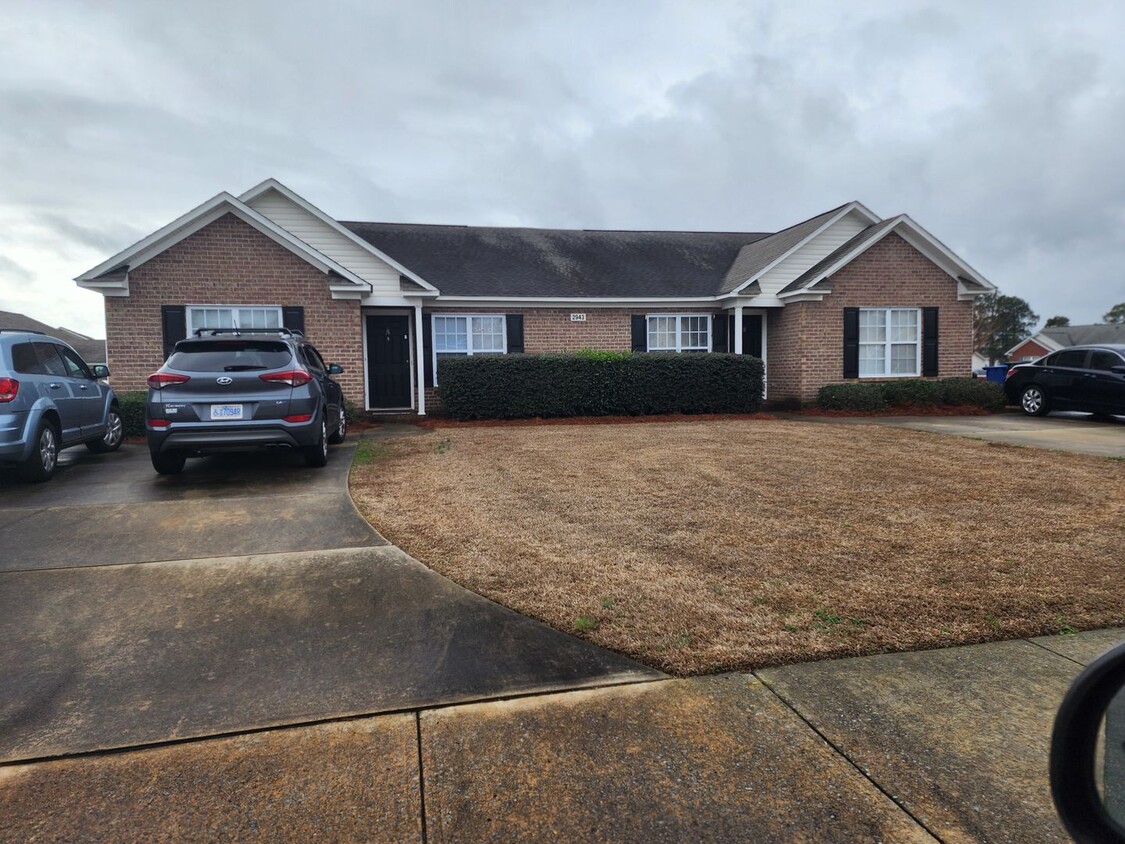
(715,545)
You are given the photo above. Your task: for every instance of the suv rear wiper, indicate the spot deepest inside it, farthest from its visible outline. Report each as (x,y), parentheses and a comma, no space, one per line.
(243,368)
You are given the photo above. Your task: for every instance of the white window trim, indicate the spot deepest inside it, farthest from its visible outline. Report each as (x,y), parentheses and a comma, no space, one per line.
(887,343)
(707,321)
(189,308)
(469,336)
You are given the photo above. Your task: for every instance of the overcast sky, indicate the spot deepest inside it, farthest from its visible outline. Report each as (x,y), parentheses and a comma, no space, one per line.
(998,126)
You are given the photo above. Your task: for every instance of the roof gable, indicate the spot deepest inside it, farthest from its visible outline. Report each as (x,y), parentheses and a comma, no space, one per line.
(113,272)
(970,282)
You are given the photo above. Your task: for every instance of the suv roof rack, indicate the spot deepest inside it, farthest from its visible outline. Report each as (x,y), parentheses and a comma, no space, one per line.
(21,331)
(238,332)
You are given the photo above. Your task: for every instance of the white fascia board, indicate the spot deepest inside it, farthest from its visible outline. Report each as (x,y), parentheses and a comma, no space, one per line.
(917,237)
(205,214)
(304,204)
(384,301)
(1042,339)
(752,302)
(847,209)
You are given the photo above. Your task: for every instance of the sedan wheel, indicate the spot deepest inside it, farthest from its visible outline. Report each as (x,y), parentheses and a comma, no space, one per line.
(1034,401)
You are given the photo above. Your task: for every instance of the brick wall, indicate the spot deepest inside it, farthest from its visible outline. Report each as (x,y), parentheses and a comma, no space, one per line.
(1028,350)
(806,339)
(228,263)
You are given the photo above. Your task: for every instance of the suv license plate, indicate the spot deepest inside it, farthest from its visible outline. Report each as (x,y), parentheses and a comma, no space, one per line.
(226,411)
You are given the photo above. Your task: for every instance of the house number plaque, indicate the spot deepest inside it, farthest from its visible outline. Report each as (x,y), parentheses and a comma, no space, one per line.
(578,317)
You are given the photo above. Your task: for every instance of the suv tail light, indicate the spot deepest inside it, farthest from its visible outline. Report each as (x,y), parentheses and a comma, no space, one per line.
(292,377)
(160,380)
(9,389)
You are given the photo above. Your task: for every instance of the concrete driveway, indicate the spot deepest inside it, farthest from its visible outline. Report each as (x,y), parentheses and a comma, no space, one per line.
(1077,432)
(246,593)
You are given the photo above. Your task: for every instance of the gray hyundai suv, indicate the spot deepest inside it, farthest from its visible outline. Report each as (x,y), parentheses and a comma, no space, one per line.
(51,400)
(227,388)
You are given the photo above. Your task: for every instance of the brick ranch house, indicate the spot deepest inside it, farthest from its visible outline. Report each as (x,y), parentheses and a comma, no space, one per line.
(843,295)
(1061,337)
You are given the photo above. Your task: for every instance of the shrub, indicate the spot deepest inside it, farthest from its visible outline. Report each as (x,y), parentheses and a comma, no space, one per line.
(598,384)
(973,391)
(131,405)
(851,397)
(913,392)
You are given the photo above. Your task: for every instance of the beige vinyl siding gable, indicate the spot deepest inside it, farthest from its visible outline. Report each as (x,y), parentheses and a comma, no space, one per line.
(831,239)
(384,278)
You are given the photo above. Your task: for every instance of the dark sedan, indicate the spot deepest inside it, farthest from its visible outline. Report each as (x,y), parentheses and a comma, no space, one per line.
(1083,378)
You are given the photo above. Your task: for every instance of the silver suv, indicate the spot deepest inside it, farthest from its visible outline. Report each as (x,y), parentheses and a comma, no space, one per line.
(51,400)
(229,388)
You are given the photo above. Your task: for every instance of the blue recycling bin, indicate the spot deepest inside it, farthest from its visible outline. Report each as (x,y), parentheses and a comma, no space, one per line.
(996,373)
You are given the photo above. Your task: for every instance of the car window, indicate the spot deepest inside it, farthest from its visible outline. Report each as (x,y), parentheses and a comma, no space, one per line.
(24,360)
(1075,358)
(229,356)
(315,361)
(1105,360)
(75,366)
(49,359)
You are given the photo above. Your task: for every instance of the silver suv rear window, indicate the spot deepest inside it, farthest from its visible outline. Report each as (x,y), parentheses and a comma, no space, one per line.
(229,356)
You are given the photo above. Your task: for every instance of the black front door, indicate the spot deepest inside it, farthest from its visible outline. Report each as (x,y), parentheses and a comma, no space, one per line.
(752,335)
(388,361)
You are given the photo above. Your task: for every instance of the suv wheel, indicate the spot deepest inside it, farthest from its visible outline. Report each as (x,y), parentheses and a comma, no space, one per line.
(341,428)
(44,457)
(1034,401)
(316,455)
(114,434)
(168,462)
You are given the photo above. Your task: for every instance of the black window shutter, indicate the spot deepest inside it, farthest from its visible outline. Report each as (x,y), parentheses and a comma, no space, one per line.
(293,318)
(930,342)
(428,349)
(173,321)
(851,342)
(640,333)
(515,333)
(719,340)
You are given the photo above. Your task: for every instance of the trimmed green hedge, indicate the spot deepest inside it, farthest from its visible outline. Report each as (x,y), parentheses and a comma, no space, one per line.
(851,397)
(132,408)
(598,384)
(974,391)
(914,392)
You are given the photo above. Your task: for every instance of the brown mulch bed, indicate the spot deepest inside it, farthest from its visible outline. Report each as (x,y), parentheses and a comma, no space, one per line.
(434,422)
(742,543)
(903,410)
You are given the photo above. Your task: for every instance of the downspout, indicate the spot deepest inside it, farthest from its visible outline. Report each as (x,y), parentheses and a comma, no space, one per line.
(420,361)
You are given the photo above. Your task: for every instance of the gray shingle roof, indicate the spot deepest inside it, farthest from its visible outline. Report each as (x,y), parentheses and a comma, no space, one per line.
(1086,335)
(480,261)
(91,350)
(812,275)
(755,257)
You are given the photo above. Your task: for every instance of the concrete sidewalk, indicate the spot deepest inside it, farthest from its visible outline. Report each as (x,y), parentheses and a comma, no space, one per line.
(948,745)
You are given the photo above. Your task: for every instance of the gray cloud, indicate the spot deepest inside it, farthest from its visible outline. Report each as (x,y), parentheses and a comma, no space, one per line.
(994,125)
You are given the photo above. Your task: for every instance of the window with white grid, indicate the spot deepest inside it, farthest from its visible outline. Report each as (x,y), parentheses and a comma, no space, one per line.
(890,342)
(222,316)
(679,333)
(468,335)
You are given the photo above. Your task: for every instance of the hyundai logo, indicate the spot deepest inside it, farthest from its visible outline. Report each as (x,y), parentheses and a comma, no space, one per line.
(224,380)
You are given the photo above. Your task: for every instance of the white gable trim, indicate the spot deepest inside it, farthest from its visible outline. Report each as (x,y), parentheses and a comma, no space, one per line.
(203,215)
(1042,339)
(858,207)
(921,240)
(305,205)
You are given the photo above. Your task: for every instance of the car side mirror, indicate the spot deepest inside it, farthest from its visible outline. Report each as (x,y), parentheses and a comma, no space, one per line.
(100,371)
(335,369)
(1092,713)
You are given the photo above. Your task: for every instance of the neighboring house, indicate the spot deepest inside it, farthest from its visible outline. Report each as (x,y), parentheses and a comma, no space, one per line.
(1060,337)
(91,350)
(843,295)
